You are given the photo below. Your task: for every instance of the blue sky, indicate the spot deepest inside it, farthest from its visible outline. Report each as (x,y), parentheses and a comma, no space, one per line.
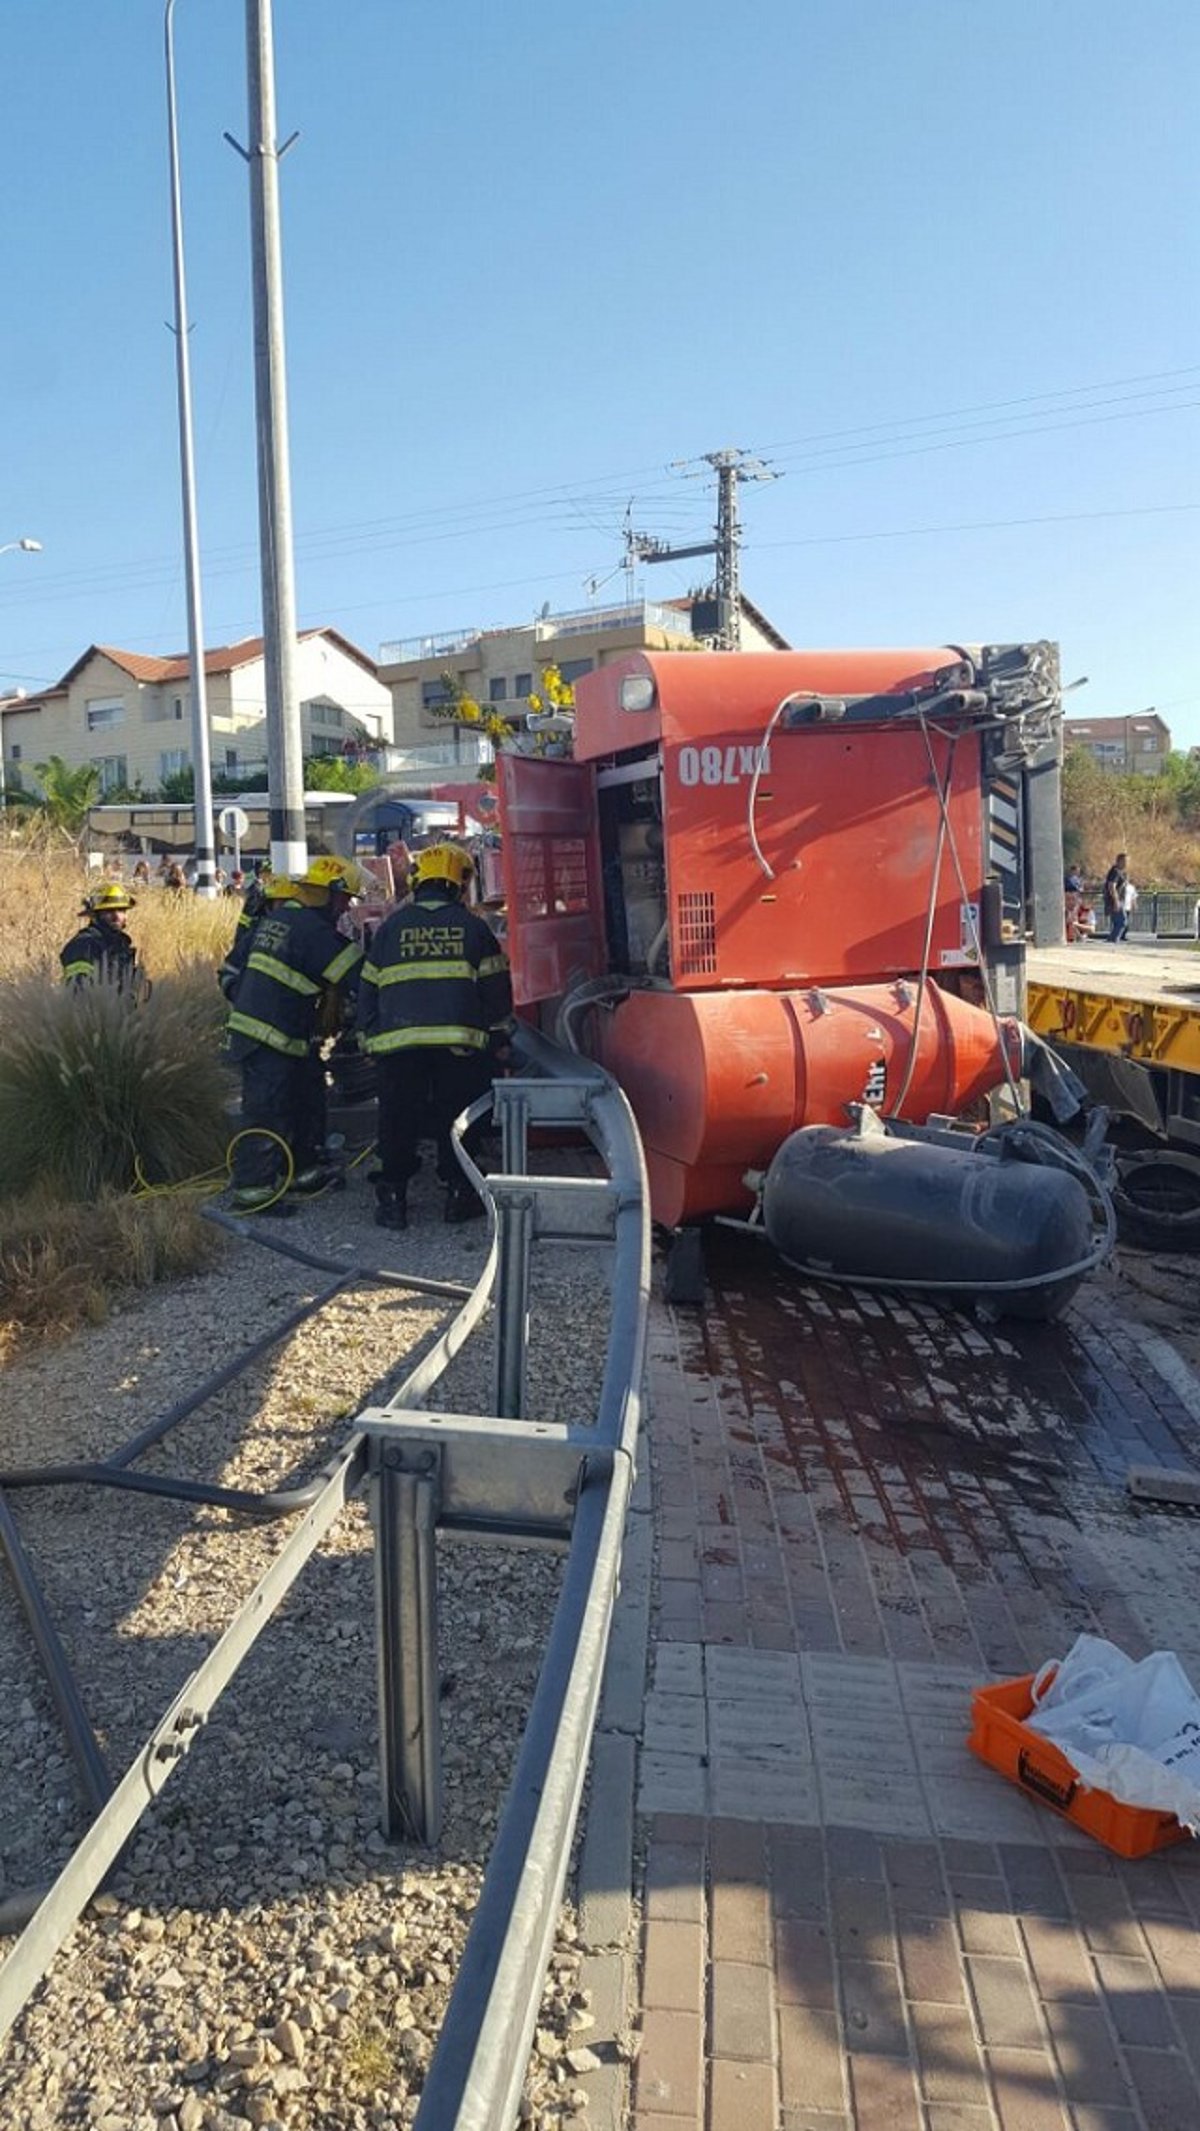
(935,260)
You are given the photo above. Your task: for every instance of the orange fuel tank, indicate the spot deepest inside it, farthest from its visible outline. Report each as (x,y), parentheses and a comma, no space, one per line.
(717,1080)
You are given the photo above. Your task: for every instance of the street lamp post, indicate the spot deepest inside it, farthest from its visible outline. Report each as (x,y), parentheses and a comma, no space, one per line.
(202,805)
(24,546)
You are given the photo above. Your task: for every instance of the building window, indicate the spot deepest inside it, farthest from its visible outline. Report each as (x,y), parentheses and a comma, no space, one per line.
(325,714)
(231,758)
(172,761)
(113,773)
(574,669)
(498,689)
(434,694)
(103,712)
(523,685)
(177,707)
(1150,746)
(15,751)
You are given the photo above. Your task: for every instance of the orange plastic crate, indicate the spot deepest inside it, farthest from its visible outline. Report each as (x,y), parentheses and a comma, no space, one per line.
(1005,1742)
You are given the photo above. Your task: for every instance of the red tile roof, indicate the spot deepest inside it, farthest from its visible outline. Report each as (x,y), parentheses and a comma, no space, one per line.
(224,659)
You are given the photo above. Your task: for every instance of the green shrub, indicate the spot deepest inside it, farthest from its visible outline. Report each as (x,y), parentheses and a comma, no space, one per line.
(90,1086)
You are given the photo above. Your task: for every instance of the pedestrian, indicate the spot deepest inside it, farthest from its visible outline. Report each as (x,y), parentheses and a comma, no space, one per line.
(1115,881)
(299,972)
(435,1012)
(1129,903)
(175,879)
(1072,898)
(141,874)
(101,952)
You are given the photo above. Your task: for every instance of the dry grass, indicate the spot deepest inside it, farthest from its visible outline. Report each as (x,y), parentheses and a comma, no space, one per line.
(88,1084)
(42,882)
(61,1265)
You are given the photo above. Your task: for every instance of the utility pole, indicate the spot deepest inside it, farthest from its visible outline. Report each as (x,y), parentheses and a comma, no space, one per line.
(202,806)
(730,467)
(285,763)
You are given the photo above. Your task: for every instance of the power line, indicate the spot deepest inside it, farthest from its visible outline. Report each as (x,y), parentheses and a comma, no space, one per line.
(976,525)
(1110,384)
(495,514)
(924,450)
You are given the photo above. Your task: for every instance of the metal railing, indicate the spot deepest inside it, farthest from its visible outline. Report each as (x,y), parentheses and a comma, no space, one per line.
(1166,914)
(496,1477)
(404,648)
(579,621)
(631,614)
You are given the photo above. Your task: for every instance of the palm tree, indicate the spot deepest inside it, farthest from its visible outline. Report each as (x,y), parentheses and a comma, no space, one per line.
(68,794)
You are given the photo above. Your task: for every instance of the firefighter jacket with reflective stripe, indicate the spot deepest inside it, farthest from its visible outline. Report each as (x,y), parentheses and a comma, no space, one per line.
(296,957)
(100,953)
(434,978)
(235,961)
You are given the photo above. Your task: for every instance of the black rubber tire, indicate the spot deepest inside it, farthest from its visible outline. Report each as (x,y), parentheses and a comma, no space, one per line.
(1157,1200)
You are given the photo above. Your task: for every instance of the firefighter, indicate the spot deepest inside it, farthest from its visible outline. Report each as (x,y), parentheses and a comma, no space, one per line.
(435,1012)
(299,972)
(276,888)
(101,952)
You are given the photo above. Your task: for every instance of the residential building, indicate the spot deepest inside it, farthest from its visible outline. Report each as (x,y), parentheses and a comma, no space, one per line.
(130,714)
(502,668)
(1136,746)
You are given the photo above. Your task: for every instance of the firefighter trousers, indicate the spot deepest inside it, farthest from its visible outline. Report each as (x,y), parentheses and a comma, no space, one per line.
(421,1092)
(279,1094)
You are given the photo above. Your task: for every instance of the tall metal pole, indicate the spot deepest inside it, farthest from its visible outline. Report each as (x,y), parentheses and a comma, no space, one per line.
(205,841)
(285,767)
(729,604)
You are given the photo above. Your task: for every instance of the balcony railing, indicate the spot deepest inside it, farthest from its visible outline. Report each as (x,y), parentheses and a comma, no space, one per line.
(406,648)
(583,621)
(635,614)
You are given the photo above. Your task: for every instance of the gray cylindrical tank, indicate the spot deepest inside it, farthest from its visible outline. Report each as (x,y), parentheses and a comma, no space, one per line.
(904,1213)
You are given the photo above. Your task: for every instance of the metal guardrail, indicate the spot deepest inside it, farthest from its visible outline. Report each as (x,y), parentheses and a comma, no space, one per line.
(1166,914)
(496,1477)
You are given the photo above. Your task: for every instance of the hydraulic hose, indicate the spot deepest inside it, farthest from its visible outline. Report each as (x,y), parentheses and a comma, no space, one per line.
(151,1483)
(92,1768)
(451,1290)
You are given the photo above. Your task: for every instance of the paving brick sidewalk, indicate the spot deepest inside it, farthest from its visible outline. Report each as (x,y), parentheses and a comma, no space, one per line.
(860,1511)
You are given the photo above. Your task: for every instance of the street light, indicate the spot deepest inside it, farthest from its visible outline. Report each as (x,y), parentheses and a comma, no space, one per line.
(202,805)
(24,546)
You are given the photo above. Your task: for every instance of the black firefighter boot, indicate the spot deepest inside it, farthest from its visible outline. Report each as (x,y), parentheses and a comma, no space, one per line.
(391,1205)
(464,1203)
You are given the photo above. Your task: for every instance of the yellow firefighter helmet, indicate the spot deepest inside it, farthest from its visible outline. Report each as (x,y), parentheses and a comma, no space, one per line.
(338,876)
(443,862)
(112,896)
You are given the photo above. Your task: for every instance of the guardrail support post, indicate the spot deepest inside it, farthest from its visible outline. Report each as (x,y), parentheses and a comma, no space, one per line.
(405,1490)
(514,1133)
(514,1219)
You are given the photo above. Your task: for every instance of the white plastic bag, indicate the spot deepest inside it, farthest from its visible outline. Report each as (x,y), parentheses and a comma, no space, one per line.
(1132,1729)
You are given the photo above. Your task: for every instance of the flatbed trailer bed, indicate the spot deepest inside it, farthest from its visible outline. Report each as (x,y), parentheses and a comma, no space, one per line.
(1126,1019)
(1141,1001)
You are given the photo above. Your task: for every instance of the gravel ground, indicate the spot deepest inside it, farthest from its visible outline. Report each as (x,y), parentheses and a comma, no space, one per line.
(263,1957)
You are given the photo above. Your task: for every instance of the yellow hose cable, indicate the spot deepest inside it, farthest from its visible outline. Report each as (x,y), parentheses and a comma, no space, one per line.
(289,1165)
(214,1179)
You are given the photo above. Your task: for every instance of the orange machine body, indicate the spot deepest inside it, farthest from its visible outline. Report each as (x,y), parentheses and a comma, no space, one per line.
(717,1080)
(770,868)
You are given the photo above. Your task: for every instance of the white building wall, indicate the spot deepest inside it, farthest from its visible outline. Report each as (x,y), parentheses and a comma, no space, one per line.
(139,731)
